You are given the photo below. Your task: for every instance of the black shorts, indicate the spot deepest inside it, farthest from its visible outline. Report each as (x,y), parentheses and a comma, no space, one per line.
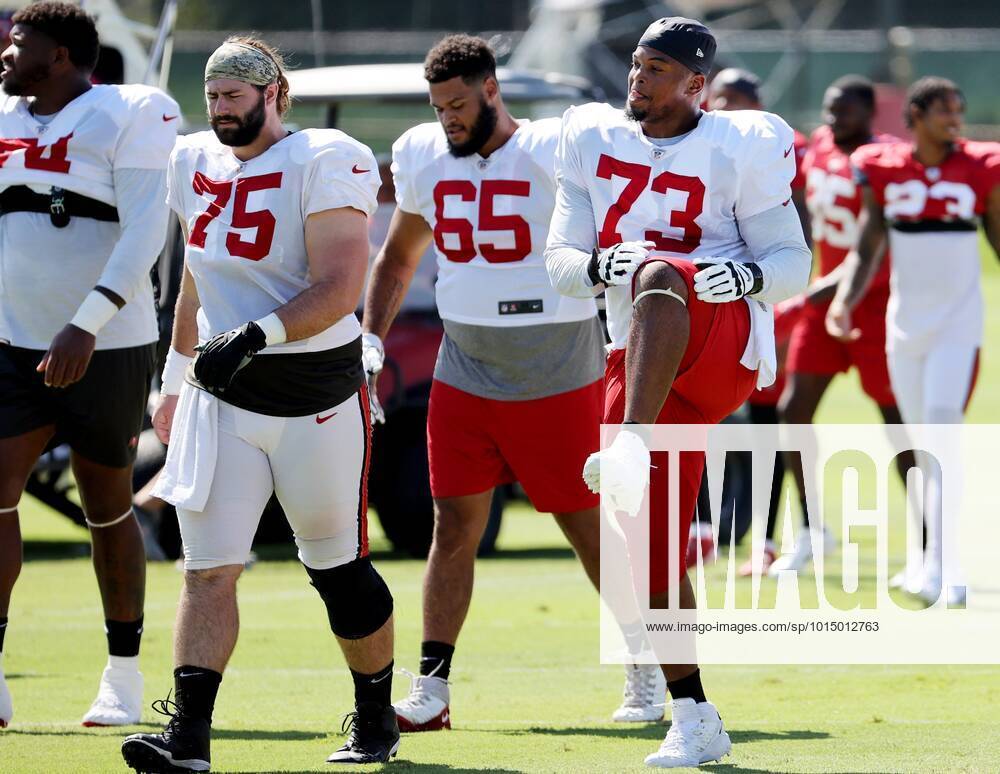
(100,416)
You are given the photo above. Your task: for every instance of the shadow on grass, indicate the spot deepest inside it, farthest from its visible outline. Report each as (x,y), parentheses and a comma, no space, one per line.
(654,731)
(400,765)
(255,734)
(48,550)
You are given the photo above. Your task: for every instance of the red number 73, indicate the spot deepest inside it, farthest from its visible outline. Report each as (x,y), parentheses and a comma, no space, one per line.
(262,220)
(638,178)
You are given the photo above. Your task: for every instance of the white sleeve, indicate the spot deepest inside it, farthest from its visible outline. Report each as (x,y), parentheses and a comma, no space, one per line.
(174,199)
(406,200)
(342,175)
(767,167)
(775,239)
(143,215)
(573,230)
(572,239)
(149,138)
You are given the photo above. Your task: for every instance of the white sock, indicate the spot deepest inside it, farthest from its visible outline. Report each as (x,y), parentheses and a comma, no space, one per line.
(128,663)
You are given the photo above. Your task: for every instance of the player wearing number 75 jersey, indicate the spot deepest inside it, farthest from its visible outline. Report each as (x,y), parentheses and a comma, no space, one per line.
(701,201)
(274,401)
(517,386)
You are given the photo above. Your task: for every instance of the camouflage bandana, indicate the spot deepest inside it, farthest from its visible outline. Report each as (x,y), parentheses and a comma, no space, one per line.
(240,62)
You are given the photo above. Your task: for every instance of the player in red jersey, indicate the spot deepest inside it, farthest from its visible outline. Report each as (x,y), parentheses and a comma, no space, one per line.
(815,357)
(737,89)
(925,199)
(700,202)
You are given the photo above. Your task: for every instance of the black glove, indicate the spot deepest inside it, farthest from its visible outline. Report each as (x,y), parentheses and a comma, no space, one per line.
(222,356)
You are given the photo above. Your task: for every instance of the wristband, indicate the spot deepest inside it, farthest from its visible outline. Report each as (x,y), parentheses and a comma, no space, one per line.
(94,313)
(174,369)
(274,329)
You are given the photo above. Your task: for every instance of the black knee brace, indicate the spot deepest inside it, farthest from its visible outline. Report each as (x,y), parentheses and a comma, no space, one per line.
(357,600)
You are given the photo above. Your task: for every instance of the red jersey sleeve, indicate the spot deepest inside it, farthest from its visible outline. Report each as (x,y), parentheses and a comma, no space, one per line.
(986,177)
(866,164)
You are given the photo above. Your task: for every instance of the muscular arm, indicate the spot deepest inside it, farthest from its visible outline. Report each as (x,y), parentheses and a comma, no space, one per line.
(337,249)
(991,220)
(185,334)
(393,270)
(653,357)
(863,261)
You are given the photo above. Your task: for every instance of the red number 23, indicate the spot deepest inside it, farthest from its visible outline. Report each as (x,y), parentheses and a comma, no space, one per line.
(262,220)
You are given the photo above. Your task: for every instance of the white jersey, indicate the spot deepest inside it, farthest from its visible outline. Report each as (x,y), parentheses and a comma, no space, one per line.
(103,131)
(688,195)
(246,223)
(490,218)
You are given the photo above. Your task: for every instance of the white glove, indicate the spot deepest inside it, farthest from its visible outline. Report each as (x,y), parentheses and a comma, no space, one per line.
(615,265)
(721,280)
(620,472)
(372,360)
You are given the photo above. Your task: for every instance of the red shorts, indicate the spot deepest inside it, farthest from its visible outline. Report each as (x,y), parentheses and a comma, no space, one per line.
(474,444)
(709,386)
(770,396)
(814,351)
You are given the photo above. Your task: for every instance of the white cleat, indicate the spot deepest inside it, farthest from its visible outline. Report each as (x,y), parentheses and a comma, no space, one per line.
(803,552)
(644,696)
(696,736)
(119,699)
(426,706)
(6,706)
(909,580)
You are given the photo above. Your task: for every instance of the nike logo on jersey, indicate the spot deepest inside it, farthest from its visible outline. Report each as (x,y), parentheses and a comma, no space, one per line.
(357,171)
(785,203)
(789,150)
(320,420)
(168,118)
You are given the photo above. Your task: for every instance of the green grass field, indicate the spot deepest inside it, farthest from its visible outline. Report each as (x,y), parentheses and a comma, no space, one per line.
(528,695)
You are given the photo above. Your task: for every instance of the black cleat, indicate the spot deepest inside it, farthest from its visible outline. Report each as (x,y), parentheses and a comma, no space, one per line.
(183,746)
(373,735)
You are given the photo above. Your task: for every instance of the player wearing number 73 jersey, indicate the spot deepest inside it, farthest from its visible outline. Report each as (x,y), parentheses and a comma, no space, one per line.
(693,190)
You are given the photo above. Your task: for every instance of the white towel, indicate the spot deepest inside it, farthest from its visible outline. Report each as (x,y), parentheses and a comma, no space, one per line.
(759,354)
(194,441)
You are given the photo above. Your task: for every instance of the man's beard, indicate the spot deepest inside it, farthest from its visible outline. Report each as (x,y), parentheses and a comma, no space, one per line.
(480,133)
(635,114)
(246,130)
(20,83)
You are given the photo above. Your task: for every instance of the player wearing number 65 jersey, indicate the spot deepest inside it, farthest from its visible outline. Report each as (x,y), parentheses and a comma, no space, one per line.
(274,401)
(925,199)
(705,198)
(517,385)
(82,220)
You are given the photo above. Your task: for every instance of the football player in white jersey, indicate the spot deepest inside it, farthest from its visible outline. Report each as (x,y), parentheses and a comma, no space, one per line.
(684,217)
(264,392)
(82,181)
(923,200)
(517,385)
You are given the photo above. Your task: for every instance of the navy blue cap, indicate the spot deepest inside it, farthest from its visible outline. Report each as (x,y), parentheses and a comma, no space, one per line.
(688,41)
